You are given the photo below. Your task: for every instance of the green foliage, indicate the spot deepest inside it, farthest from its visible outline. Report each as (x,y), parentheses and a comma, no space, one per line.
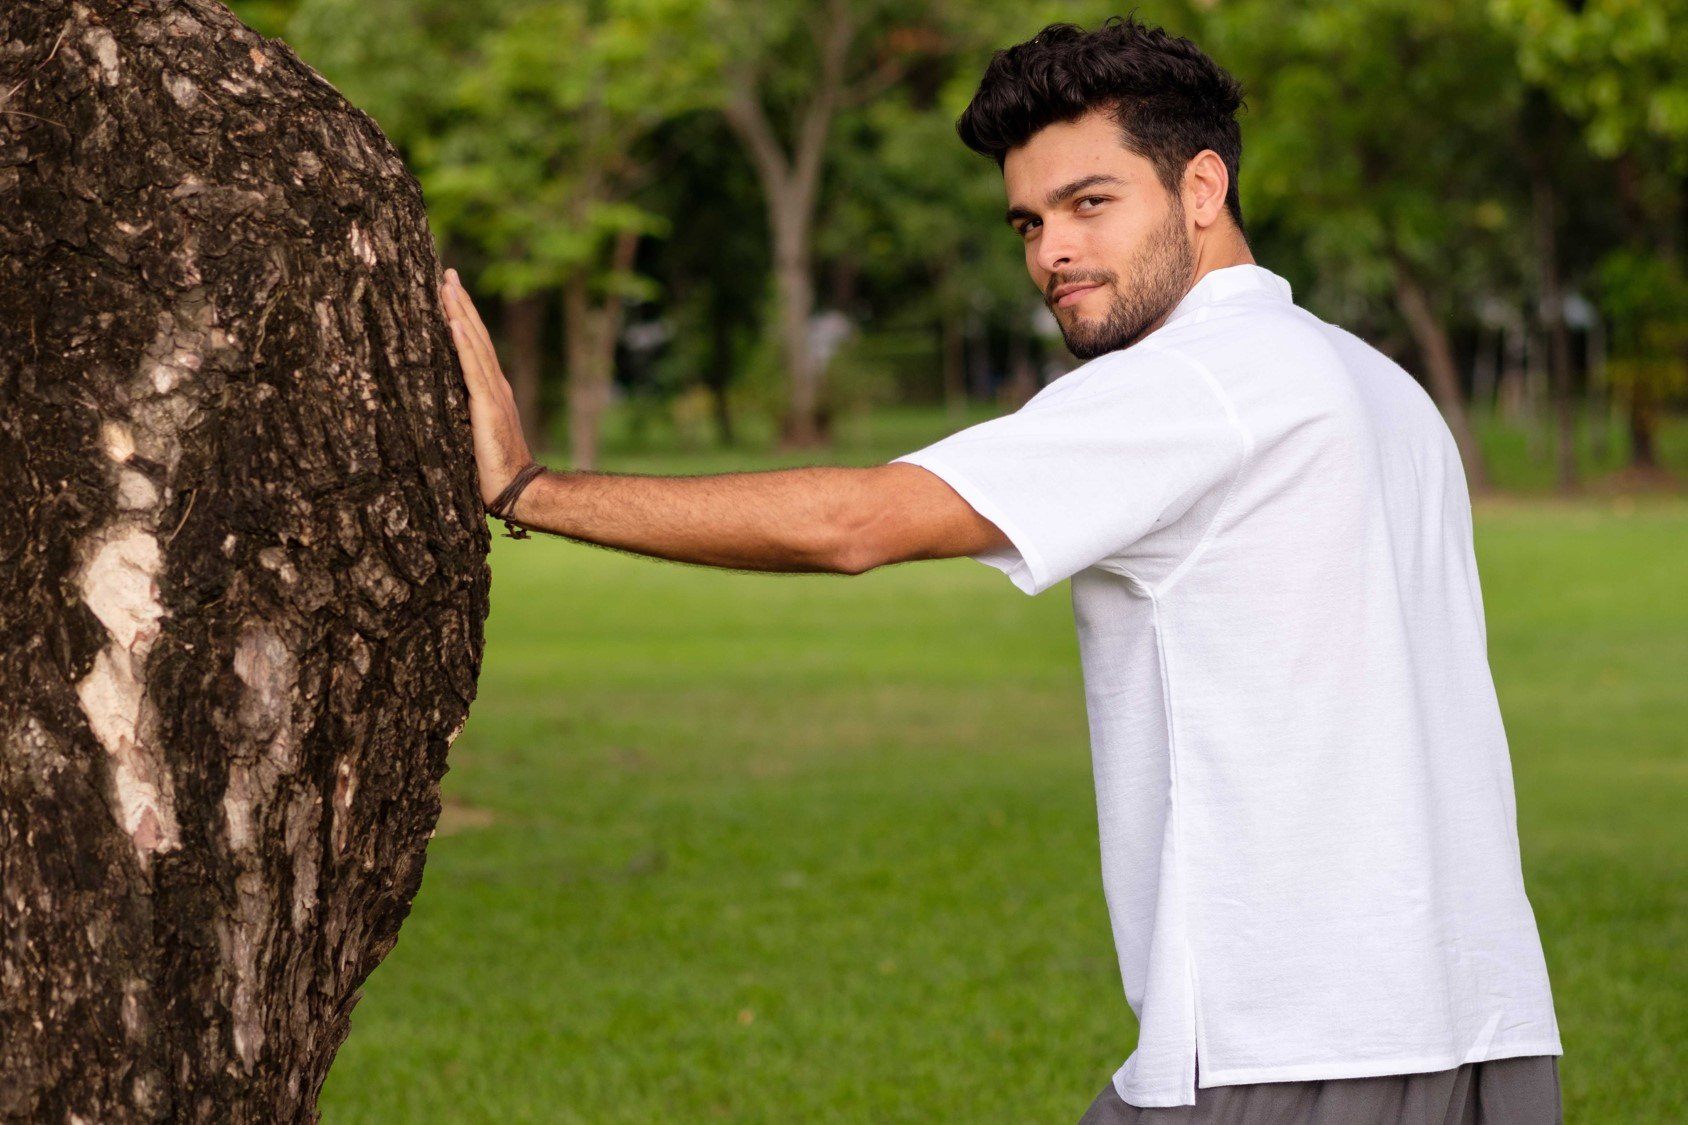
(1646,296)
(523,119)
(1381,136)
(1621,68)
(1619,65)
(1380,132)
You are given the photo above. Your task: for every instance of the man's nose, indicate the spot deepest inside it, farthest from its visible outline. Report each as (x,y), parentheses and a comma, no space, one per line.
(1057,249)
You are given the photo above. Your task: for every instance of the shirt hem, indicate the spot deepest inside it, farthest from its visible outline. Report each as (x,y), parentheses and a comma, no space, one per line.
(1314,1072)
(1234,1076)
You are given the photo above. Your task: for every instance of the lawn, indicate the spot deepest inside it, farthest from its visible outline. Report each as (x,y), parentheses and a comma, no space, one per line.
(774,848)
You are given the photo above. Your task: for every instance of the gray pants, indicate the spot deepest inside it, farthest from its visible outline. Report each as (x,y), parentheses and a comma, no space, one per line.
(1518,1091)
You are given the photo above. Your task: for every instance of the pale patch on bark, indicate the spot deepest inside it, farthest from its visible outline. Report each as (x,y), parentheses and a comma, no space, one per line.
(362,247)
(119,577)
(240,937)
(174,368)
(304,816)
(267,668)
(345,787)
(182,89)
(135,491)
(133,1024)
(119,584)
(118,441)
(275,558)
(258,767)
(100,41)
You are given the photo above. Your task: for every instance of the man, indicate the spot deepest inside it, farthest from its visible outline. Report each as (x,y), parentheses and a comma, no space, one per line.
(1304,793)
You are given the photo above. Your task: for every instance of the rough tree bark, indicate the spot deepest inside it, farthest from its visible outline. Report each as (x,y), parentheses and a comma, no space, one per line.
(242,578)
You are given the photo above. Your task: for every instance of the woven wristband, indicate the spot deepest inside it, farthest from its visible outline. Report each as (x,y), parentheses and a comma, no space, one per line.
(505,501)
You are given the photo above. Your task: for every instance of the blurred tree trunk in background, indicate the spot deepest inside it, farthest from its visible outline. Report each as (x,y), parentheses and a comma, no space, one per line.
(1552,312)
(592,325)
(1441,370)
(840,34)
(719,371)
(243,586)
(790,188)
(524,324)
(1616,68)
(1543,144)
(954,346)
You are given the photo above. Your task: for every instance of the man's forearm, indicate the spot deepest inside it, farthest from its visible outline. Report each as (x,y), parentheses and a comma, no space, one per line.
(785,519)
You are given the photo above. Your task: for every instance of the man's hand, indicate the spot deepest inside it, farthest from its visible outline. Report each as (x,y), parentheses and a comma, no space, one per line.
(500,448)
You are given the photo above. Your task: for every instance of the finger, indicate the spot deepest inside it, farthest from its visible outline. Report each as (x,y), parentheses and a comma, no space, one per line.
(473,374)
(474,339)
(476,336)
(484,353)
(469,305)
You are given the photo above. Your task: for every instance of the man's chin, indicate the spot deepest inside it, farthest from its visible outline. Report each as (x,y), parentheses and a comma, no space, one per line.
(1089,347)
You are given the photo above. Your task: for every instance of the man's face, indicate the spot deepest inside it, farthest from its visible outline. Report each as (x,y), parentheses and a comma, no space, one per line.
(1117,231)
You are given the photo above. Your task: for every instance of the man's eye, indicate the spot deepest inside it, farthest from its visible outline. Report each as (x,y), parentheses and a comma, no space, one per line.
(1026,226)
(1097,198)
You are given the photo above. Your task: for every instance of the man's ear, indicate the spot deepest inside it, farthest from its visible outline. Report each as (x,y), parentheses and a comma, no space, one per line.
(1206,181)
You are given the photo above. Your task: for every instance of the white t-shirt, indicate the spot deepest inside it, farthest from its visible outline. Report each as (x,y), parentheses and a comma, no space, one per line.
(1303,789)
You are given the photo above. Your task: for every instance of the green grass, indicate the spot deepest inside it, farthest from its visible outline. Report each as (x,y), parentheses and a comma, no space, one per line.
(761,848)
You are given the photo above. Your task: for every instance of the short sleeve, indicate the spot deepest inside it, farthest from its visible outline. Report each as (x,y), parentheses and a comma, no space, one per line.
(1083,472)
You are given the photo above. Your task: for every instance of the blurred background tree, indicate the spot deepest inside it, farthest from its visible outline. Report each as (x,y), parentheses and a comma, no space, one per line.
(1621,69)
(702,223)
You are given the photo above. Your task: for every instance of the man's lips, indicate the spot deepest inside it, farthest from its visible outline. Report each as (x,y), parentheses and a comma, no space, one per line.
(1073,295)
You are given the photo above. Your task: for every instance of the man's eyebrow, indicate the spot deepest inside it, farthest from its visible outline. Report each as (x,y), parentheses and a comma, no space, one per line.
(1061,194)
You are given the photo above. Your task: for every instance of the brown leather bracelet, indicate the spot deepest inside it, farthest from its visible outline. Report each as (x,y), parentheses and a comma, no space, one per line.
(503,504)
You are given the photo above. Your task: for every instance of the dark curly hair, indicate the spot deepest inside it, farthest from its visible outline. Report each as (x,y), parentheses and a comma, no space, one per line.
(1169,100)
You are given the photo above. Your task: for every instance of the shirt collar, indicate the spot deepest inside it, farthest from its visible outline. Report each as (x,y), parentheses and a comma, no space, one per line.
(1228,283)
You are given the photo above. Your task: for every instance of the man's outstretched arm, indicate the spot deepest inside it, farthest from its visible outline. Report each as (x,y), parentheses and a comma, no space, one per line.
(841,520)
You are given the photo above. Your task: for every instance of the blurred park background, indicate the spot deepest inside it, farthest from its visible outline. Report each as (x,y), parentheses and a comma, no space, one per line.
(763,848)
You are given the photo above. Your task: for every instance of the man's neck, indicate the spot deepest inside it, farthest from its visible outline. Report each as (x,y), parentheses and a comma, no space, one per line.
(1215,254)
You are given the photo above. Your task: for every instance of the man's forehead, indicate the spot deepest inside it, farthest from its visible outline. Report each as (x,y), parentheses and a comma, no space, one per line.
(1062,154)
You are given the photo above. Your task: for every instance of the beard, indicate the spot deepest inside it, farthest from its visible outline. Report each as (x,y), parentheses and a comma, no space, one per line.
(1161,271)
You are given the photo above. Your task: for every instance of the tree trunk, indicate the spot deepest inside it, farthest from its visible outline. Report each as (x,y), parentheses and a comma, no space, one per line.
(1643,426)
(1022,375)
(592,329)
(801,428)
(243,584)
(1545,201)
(524,321)
(790,182)
(1441,371)
(718,375)
(588,376)
(954,364)
(1647,230)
